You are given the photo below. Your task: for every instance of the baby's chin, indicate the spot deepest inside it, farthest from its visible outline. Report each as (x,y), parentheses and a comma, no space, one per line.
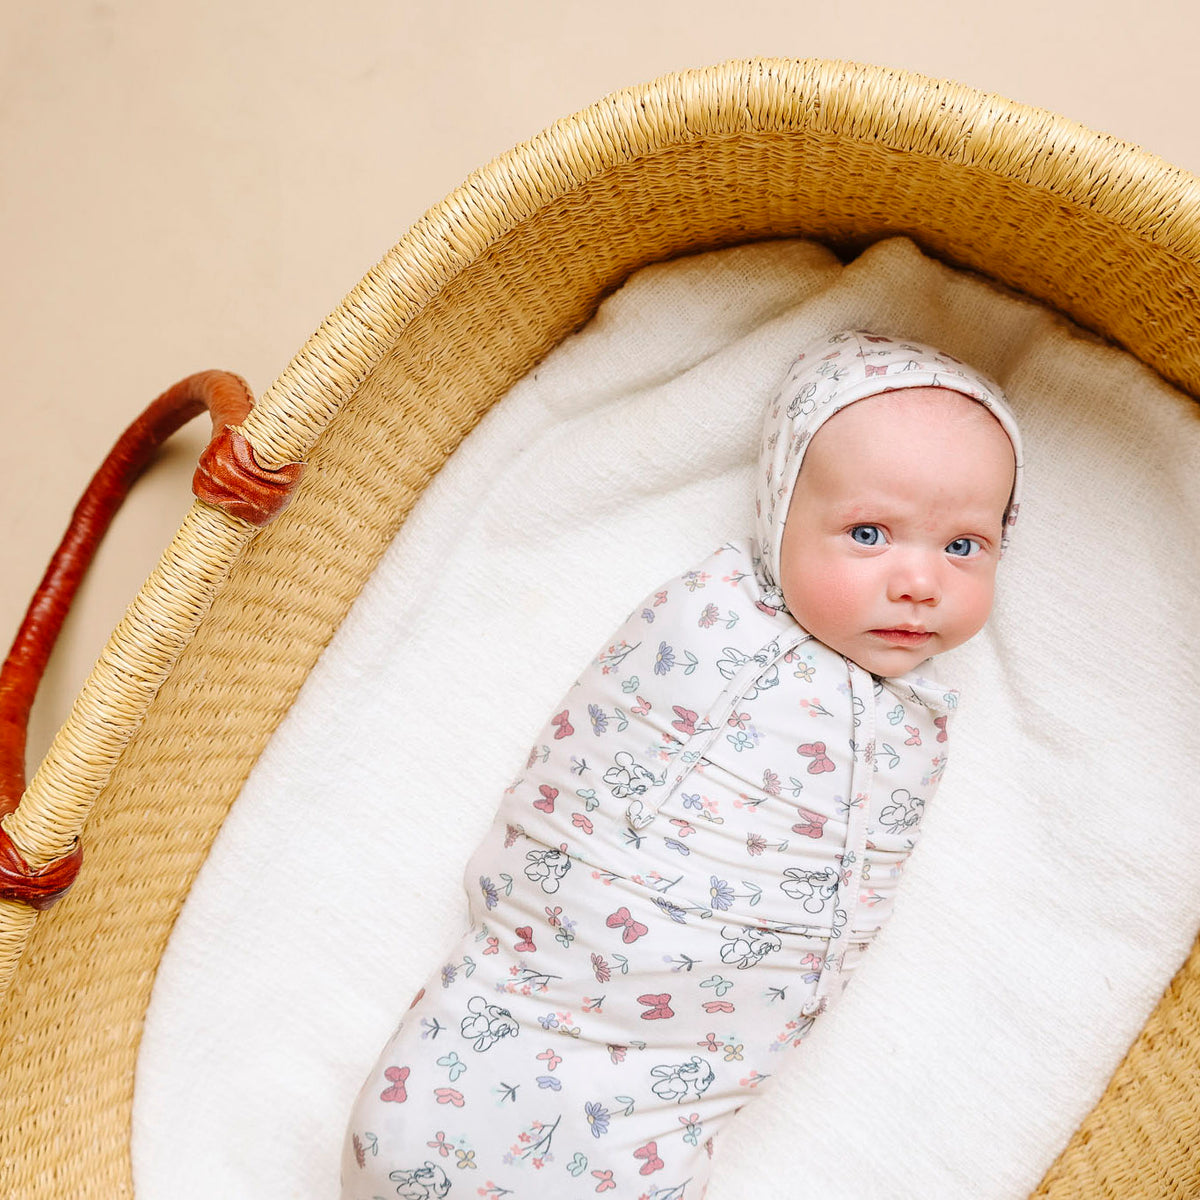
(889,656)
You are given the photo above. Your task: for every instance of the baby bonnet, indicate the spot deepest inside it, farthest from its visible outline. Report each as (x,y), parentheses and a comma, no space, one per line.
(833,372)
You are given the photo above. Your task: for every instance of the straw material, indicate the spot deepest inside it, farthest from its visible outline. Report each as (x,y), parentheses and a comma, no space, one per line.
(216,646)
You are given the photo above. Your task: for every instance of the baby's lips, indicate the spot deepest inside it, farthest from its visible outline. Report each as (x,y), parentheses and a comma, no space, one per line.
(903,637)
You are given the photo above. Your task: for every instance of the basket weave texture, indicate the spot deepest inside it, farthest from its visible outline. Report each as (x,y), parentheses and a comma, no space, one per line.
(218,642)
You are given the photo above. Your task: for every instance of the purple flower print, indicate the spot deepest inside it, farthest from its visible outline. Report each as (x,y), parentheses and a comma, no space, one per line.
(672,910)
(720,894)
(598,1118)
(491,897)
(664,660)
(599,719)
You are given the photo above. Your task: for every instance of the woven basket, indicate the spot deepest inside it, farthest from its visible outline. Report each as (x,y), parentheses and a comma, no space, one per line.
(217,643)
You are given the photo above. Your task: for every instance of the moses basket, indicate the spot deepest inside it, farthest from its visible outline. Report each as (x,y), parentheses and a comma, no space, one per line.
(216,645)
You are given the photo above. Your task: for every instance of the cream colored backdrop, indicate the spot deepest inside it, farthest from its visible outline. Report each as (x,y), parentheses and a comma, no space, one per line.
(186,186)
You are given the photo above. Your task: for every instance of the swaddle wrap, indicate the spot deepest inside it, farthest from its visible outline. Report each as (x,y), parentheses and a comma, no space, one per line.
(718,795)
(712,738)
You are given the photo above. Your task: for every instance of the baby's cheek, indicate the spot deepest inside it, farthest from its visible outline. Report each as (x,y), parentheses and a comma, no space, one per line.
(822,600)
(974,608)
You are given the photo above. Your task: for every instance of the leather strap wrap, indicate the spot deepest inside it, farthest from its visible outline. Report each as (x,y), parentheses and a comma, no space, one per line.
(38,889)
(230,478)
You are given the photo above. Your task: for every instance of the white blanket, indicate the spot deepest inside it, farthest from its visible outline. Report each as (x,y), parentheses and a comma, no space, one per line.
(1056,890)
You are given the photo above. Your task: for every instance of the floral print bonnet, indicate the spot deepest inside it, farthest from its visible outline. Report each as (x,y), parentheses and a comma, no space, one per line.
(832,372)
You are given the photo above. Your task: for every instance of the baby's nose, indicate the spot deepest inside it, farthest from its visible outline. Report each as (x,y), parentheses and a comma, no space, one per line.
(914,579)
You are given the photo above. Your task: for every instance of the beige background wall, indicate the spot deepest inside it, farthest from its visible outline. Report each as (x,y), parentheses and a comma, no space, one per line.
(195,185)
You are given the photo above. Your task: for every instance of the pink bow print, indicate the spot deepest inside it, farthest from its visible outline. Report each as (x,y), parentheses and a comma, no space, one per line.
(623,918)
(650,1153)
(397,1092)
(686,722)
(658,1006)
(813,825)
(821,762)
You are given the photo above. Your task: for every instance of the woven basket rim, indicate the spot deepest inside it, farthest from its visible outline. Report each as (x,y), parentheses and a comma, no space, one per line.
(1106,175)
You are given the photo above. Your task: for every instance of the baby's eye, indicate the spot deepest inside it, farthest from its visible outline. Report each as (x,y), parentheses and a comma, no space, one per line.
(964,547)
(868,535)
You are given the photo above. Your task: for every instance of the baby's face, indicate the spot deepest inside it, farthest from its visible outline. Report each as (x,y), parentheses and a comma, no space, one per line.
(893,532)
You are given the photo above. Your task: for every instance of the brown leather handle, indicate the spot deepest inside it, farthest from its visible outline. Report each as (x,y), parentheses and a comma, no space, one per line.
(228,476)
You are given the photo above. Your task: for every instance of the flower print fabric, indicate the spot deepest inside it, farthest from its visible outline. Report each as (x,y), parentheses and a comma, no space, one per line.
(708,833)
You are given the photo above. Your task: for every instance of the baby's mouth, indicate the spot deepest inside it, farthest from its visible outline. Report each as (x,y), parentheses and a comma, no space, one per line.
(902,637)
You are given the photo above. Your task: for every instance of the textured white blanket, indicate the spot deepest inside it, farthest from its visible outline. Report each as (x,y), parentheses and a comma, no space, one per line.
(1056,890)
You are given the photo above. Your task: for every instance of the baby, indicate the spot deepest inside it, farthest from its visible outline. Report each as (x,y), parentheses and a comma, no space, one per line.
(710,830)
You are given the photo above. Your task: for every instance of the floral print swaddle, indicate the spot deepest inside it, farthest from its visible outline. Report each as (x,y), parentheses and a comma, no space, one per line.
(707,835)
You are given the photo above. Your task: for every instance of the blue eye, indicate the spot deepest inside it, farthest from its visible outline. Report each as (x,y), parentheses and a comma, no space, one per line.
(963,547)
(867,535)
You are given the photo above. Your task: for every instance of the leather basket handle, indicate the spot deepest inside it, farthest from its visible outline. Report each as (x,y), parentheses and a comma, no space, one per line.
(228,476)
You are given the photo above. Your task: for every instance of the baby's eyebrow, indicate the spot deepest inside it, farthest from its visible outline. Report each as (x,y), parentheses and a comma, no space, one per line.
(858,509)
